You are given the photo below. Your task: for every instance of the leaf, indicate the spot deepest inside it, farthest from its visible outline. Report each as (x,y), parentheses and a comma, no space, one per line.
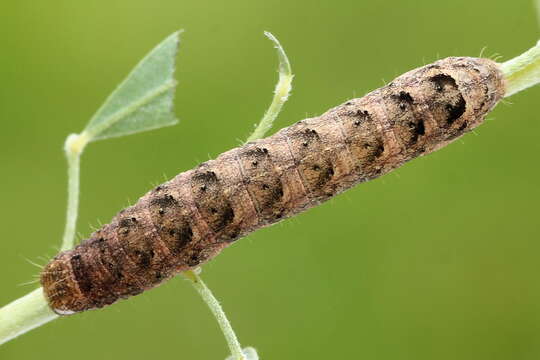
(249,354)
(144,100)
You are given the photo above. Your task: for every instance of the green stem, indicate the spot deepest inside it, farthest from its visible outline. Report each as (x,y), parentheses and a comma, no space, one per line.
(523,71)
(217,311)
(32,310)
(281,93)
(74,146)
(24,314)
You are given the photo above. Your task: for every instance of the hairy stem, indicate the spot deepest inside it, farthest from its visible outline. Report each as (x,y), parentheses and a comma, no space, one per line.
(281,93)
(24,314)
(523,71)
(32,310)
(217,311)
(73,148)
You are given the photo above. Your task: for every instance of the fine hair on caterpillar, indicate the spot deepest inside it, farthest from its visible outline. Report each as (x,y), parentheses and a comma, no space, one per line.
(189,219)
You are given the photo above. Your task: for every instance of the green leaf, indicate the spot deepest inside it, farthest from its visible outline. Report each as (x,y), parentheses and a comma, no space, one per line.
(144,100)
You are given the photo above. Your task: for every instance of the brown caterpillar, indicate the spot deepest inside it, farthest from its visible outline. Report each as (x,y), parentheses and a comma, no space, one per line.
(188,220)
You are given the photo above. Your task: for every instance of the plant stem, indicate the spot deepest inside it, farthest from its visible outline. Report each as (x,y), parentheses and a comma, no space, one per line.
(217,311)
(24,314)
(281,93)
(523,71)
(32,310)
(74,146)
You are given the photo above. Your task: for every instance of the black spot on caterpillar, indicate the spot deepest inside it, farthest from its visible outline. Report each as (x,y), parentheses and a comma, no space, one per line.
(191,218)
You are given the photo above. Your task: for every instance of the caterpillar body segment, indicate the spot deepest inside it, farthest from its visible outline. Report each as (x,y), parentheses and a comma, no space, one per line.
(188,220)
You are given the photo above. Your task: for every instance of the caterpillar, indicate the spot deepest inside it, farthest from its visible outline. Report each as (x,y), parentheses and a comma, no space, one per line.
(188,220)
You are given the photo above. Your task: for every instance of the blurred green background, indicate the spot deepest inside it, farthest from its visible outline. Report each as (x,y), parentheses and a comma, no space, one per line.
(437,260)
